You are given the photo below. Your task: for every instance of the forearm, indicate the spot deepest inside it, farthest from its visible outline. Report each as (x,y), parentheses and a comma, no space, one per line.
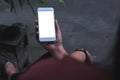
(59,52)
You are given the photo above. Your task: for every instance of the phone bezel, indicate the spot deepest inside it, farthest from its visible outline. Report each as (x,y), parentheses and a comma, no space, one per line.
(47,39)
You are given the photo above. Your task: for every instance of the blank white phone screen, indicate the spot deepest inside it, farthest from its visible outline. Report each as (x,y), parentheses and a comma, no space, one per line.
(46,24)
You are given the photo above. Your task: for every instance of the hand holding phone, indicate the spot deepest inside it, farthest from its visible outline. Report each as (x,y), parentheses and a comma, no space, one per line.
(56,47)
(46,24)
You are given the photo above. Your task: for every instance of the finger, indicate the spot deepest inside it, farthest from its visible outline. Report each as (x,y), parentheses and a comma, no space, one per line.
(58,32)
(36,25)
(57,27)
(36,22)
(37,35)
(36,28)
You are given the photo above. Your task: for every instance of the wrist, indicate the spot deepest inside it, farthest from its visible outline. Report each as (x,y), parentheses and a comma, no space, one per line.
(59,52)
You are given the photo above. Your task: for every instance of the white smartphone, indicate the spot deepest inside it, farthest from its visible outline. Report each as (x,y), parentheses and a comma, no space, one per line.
(46,22)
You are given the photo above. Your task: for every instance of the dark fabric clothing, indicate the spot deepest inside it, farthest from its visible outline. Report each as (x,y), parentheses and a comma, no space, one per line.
(45,56)
(66,69)
(15,76)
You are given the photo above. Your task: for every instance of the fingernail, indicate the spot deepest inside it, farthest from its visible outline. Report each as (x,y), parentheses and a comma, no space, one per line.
(36,22)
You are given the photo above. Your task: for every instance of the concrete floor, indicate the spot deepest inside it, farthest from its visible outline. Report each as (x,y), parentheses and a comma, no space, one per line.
(89,24)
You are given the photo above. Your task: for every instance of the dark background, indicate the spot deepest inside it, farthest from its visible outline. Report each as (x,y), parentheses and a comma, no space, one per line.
(89,24)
